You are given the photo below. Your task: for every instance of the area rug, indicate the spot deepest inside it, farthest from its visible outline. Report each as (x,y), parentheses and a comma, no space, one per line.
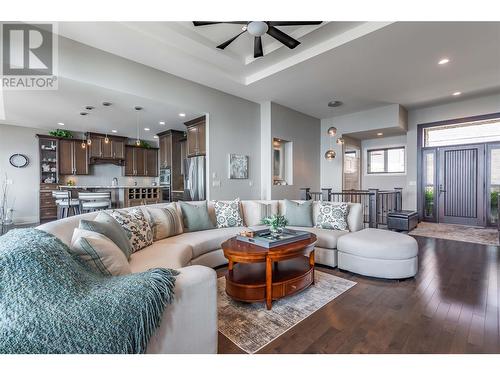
(251,326)
(485,236)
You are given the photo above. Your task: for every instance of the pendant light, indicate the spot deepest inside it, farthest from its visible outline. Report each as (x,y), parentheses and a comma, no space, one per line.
(330,154)
(87,141)
(106,139)
(137,109)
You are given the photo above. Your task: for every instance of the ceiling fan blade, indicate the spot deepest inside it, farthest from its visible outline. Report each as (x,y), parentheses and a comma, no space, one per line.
(282,37)
(293,23)
(257,47)
(228,42)
(207,23)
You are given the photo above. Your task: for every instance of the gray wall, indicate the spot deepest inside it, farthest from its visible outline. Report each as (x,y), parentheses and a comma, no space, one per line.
(331,172)
(24,190)
(463,108)
(234,123)
(382,181)
(385,117)
(304,132)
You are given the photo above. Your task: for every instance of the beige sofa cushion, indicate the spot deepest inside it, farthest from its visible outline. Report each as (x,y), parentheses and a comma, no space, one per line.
(254,211)
(204,241)
(99,253)
(327,238)
(379,244)
(161,254)
(165,221)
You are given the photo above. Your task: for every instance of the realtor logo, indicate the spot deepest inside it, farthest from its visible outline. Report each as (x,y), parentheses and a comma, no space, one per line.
(28,56)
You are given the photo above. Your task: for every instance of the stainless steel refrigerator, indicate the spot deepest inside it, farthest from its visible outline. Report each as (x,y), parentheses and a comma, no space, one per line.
(194,179)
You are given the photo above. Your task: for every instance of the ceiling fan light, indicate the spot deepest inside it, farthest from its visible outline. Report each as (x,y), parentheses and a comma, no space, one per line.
(257,28)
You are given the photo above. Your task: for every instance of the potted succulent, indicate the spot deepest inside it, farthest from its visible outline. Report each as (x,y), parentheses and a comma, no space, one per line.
(276,224)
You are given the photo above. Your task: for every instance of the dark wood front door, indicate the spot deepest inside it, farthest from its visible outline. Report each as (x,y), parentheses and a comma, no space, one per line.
(461,185)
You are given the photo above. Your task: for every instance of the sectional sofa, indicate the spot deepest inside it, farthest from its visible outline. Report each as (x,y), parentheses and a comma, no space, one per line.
(189,324)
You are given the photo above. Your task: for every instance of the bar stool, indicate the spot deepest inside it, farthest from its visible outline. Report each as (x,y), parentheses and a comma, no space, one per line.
(65,203)
(94,201)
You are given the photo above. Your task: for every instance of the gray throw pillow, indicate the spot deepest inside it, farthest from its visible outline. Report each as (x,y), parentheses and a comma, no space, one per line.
(299,214)
(106,225)
(195,217)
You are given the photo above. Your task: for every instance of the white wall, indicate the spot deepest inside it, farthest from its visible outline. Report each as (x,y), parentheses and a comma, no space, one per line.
(24,191)
(381,181)
(304,132)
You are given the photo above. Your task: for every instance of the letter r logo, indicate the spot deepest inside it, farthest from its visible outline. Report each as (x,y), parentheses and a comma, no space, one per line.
(27,49)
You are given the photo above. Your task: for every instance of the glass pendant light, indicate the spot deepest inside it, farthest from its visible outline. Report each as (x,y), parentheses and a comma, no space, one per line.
(106,139)
(330,155)
(138,141)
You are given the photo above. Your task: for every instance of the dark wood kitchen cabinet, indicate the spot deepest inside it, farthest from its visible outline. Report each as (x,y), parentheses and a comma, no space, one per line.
(73,158)
(171,156)
(106,149)
(141,162)
(196,133)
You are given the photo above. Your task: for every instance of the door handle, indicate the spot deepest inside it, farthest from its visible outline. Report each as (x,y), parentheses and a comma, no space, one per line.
(441,190)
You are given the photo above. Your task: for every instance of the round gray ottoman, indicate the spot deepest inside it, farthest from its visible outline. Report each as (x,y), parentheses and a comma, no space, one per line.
(378,253)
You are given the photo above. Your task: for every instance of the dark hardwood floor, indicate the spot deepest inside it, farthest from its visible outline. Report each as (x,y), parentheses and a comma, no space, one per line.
(452,306)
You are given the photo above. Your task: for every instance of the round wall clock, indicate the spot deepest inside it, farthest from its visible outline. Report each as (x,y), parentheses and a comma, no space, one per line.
(19,160)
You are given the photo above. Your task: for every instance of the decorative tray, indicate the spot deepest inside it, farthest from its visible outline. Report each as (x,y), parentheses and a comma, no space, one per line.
(264,238)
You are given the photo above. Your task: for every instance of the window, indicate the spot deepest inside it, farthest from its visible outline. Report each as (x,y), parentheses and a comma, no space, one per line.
(462,133)
(386,160)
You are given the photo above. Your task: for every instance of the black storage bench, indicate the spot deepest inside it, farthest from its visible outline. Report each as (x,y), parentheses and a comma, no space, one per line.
(402,220)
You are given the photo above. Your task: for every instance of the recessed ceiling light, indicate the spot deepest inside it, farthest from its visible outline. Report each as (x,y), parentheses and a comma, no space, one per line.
(162,122)
(147,129)
(60,123)
(334,103)
(155,137)
(379,134)
(182,114)
(114,131)
(456,93)
(444,61)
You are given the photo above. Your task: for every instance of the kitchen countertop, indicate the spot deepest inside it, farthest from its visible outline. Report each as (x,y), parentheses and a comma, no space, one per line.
(106,187)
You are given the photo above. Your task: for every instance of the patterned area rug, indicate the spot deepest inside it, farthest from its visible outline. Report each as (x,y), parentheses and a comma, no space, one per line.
(485,236)
(251,326)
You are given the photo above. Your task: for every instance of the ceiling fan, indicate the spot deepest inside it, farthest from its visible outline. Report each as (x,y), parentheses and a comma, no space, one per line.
(259,28)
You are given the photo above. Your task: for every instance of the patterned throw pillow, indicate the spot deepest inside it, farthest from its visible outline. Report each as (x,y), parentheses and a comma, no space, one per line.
(228,214)
(137,227)
(332,215)
(165,221)
(99,253)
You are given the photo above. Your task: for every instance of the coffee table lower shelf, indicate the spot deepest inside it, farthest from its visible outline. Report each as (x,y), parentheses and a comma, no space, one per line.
(247,281)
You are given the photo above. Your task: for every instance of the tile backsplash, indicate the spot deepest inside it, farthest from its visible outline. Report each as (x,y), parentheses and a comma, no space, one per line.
(102,174)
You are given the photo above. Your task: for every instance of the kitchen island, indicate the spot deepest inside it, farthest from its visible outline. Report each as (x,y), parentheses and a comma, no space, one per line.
(121,196)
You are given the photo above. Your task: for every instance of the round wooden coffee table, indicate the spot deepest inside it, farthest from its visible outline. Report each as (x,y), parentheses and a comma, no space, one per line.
(259,274)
